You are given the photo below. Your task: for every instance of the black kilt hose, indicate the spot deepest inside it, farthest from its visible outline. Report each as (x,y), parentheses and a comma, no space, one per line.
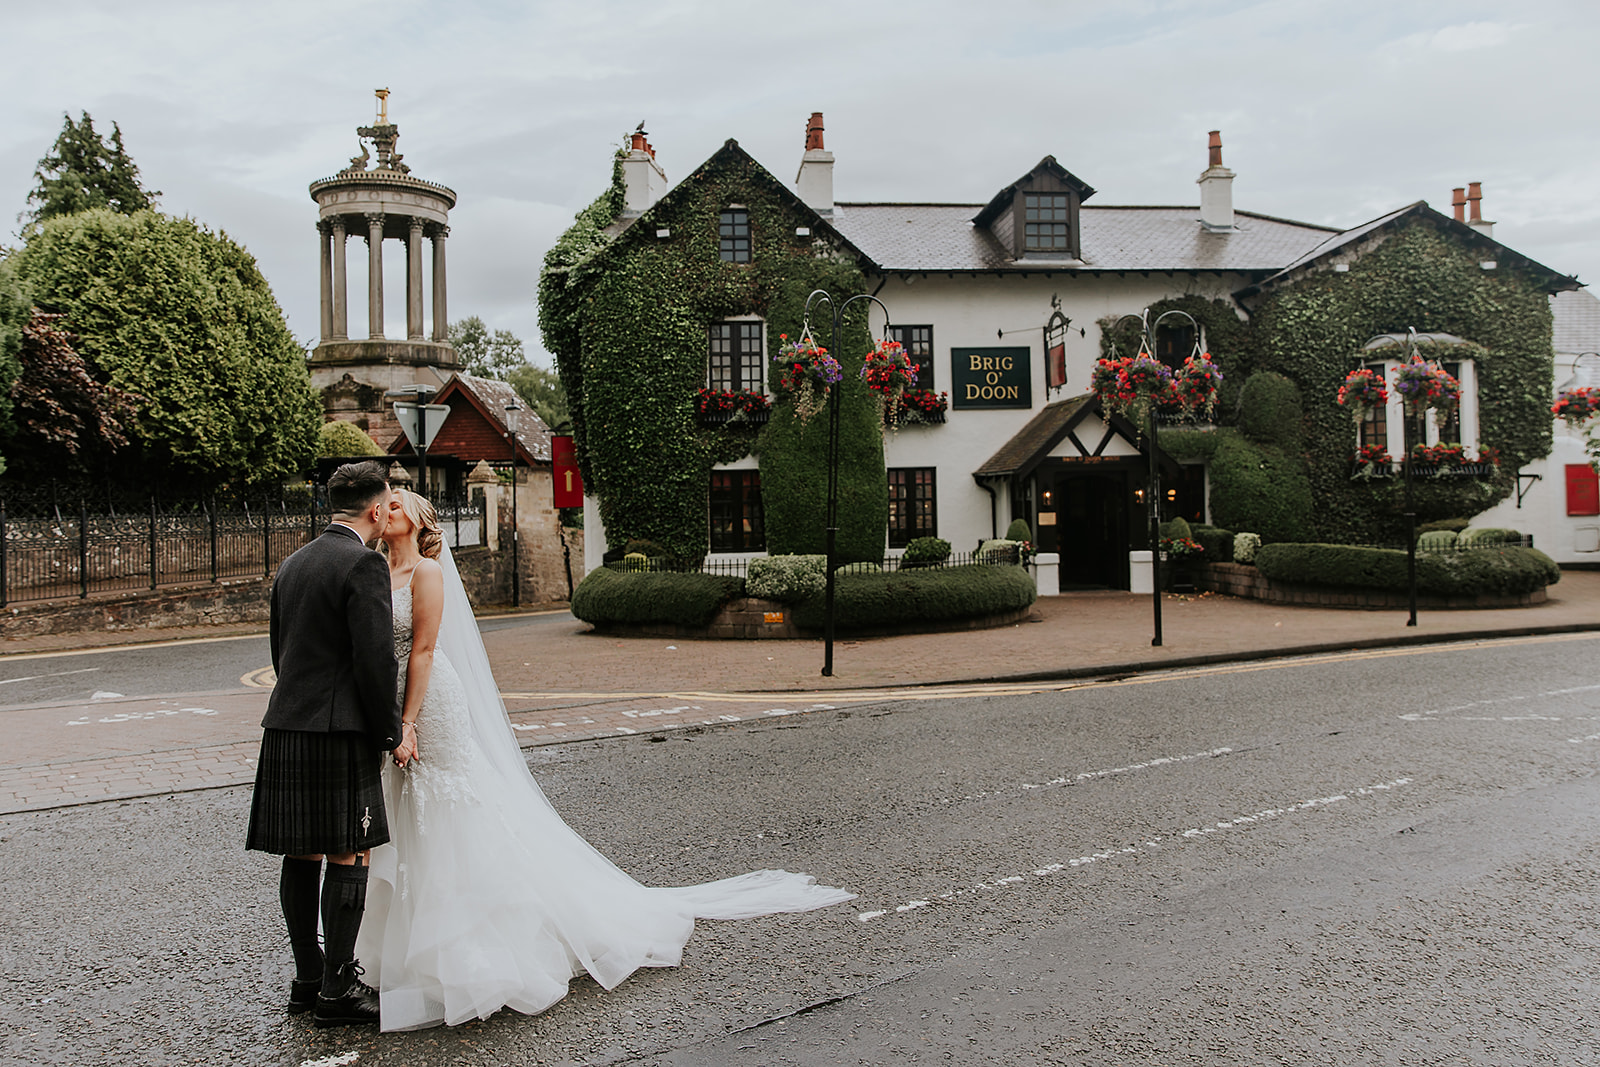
(317,794)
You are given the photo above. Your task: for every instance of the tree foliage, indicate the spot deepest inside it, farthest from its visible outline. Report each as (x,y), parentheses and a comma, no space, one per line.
(486,354)
(181,317)
(15,307)
(65,417)
(339,439)
(541,389)
(83,171)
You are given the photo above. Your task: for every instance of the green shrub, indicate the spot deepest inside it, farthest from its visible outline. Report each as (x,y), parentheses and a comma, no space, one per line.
(636,561)
(1019,531)
(925,551)
(1504,571)
(1270,411)
(297,494)
(1245,547)
(857,568)
(1178,527)
(999,550)
(866,601)
(1217,542)
(786,578)
(641,547)
(1453,525)
(1261,488)
(612,595)
(340,439)
(1481,536)
(1436,541)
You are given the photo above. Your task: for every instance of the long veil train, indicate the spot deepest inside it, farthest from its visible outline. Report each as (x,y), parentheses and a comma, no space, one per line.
(487,898)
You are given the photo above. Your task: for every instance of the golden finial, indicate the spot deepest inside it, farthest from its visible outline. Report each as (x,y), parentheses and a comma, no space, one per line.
(383,106)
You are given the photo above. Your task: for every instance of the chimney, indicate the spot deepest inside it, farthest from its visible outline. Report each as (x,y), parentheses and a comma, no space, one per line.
(1475,217)
(643,180)
(1458,202)
(1216,191)
(814,183)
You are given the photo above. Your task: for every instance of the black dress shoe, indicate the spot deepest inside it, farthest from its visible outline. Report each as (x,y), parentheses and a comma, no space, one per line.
(345,999)
(303,995)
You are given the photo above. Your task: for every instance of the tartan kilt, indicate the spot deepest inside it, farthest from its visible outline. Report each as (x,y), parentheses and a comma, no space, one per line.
(312,792)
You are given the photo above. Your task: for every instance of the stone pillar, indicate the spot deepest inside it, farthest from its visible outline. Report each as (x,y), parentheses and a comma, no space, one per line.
(414,280)
(441,321)
(483,477)
(375,275)
(341,318)
(325,240)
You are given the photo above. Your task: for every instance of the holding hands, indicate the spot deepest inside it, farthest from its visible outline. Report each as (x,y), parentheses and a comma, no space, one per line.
(407,751)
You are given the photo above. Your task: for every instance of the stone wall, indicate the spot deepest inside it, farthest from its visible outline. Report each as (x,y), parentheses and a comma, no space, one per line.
(1243,580)
(239,601)
(750,618)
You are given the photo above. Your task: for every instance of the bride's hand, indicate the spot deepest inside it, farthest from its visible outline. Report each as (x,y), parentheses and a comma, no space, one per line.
(406,751)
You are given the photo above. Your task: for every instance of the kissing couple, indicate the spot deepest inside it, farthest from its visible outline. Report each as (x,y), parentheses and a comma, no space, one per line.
(387,753)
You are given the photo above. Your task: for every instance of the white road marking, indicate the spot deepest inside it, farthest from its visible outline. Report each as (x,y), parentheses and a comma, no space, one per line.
(1436,714)
(56,674)
(101,694)
(343,1059)
(1084,776)
(1195,833)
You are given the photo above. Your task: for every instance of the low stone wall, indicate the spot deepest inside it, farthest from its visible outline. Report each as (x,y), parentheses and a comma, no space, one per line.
(750,618)
(1243,580)
(245,600)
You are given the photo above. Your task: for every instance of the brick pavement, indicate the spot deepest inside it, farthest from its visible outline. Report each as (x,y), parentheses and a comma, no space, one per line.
(563,683)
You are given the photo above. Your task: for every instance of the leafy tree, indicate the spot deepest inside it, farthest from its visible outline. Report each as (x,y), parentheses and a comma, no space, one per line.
(166,309)
(541,389)
(65,415)
(83,171)
(485,354)
(14,309)
(339,439)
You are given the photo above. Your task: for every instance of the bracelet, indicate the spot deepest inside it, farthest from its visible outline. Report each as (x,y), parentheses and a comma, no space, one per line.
(403,725)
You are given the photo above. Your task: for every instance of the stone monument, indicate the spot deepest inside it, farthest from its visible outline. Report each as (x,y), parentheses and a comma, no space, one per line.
(383,202)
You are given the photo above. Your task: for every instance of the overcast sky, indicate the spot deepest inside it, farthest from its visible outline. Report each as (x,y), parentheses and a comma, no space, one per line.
(1332,111)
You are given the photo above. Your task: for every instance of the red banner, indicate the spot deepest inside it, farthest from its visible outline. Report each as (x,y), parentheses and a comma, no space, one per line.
(564,473)
(1058,365)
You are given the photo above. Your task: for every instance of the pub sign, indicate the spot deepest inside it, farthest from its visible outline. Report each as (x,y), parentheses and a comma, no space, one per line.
(564,474)
(991,378)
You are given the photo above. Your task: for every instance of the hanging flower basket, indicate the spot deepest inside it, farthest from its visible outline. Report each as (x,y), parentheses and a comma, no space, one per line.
(1363,390)
(923,406)
(1133,386)
(806,374)
(1426,387)
(1196,385)
(1577,406)
(888,372)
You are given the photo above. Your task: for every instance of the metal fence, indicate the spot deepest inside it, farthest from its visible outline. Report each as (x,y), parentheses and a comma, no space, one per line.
(73,555)
(738,568)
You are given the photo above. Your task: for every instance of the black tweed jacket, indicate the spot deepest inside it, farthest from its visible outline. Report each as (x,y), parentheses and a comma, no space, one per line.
(333,641)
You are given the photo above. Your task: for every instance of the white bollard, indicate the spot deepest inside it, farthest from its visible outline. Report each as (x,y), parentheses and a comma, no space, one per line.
(1047,573)
(1140,578)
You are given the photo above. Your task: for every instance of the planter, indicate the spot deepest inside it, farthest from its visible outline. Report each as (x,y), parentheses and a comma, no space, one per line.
(733,418)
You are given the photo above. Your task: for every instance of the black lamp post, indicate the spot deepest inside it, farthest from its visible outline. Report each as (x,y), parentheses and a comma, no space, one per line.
(832,516)
(1147,346)
(516,562)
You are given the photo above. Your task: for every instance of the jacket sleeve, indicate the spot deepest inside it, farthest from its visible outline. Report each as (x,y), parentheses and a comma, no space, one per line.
(272,625)
(368,615)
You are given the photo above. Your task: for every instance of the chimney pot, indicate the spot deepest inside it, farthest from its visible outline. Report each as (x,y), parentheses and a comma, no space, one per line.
(638,142)
(1458,202)
(814,132)
(1216,191)
(1216,148)
(1475,199)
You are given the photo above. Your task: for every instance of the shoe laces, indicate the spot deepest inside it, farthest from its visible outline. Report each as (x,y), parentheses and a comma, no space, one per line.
(355,971)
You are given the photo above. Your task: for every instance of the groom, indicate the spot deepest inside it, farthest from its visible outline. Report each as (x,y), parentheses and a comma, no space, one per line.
(332,714)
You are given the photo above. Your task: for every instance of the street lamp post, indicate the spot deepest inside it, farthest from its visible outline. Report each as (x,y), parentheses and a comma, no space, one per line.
(420,395)
(1147,346)
(516,561)
(832,511)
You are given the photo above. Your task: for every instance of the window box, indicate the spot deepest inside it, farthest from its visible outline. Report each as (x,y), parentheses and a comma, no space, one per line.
(723,407)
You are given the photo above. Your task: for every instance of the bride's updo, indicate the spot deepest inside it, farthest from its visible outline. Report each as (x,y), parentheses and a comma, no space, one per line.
(430,535)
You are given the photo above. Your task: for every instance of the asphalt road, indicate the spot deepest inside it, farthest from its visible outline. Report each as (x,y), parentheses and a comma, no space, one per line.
(1385,857)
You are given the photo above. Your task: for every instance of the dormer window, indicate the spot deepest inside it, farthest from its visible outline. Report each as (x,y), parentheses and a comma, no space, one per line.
(733,230)
(1047,223)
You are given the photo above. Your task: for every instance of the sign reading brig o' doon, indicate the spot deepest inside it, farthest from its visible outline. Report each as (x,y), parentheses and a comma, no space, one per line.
(991,378)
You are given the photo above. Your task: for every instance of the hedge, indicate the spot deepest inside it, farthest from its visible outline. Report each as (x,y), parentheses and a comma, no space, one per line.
(865,601)
(1501,571)
(786,578)
(1260,488)
(1217,542)
(609,595)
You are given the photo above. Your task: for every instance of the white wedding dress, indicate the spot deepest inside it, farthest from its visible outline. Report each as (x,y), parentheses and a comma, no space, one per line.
(484,898)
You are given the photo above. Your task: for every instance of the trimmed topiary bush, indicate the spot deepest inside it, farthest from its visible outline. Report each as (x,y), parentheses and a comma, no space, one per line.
(1178,527)
(867,601)
(1217,542)
(925,552)
(1000,550)
(786,578)
(612,595)
(1270,411)
(339,439)
(1453,525)
(1504,571)
(1019,531)
(1480,536)
(1245,547)
(1436,541)
(1261,488)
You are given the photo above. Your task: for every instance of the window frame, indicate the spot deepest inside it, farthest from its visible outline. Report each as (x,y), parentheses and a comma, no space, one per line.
(905,334)
(741,502)
(729,238)
(741,362)
(1466,415)
(1064,221)
(907,504)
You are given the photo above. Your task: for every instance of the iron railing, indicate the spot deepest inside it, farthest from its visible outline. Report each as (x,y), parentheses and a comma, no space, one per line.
(738,568)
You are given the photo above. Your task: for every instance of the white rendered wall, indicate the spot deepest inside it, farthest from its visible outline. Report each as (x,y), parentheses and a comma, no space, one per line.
(1564,538)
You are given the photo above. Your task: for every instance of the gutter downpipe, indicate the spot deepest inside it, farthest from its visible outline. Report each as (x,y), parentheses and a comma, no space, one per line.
(994,504)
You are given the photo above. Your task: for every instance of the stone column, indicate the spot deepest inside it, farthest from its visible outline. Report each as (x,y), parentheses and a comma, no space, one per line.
(441,321)
(325,240)
(341,318)
(375,275)
(414,280)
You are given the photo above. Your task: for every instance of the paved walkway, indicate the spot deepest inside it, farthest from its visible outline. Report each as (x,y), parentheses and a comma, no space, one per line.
(564,683)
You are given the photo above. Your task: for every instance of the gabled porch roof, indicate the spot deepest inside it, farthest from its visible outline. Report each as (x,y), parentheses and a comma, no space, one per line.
(1058,422)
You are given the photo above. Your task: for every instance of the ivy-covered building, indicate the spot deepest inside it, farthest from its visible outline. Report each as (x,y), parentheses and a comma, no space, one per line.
(662,296)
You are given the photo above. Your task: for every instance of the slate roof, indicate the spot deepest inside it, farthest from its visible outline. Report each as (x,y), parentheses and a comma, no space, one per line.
(941,237)
(1029,446)
(484,437)
(1577,321)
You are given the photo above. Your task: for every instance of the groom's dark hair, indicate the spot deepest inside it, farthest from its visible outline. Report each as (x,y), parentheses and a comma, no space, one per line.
(355,487)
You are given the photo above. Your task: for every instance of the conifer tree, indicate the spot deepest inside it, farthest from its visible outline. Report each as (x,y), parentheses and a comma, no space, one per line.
(84,171)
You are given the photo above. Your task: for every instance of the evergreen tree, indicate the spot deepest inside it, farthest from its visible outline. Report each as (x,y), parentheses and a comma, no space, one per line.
(83,171)
(541,390)
(484,354)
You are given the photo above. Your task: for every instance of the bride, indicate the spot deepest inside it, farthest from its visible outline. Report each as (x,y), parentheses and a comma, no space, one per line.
(484,898)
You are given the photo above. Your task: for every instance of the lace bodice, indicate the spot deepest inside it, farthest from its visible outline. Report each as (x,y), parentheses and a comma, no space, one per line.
(444,731)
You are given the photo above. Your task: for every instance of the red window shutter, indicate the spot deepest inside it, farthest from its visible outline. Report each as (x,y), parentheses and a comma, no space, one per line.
(1583,490)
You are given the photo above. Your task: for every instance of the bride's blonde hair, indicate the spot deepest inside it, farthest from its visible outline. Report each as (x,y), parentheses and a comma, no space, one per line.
(423,515)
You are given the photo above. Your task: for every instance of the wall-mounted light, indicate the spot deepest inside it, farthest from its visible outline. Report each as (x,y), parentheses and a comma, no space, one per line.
(1138,496)
(1172,495)
(1046,499)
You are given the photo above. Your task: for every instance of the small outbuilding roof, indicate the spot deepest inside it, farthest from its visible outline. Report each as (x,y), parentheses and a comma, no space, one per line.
(476,427)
